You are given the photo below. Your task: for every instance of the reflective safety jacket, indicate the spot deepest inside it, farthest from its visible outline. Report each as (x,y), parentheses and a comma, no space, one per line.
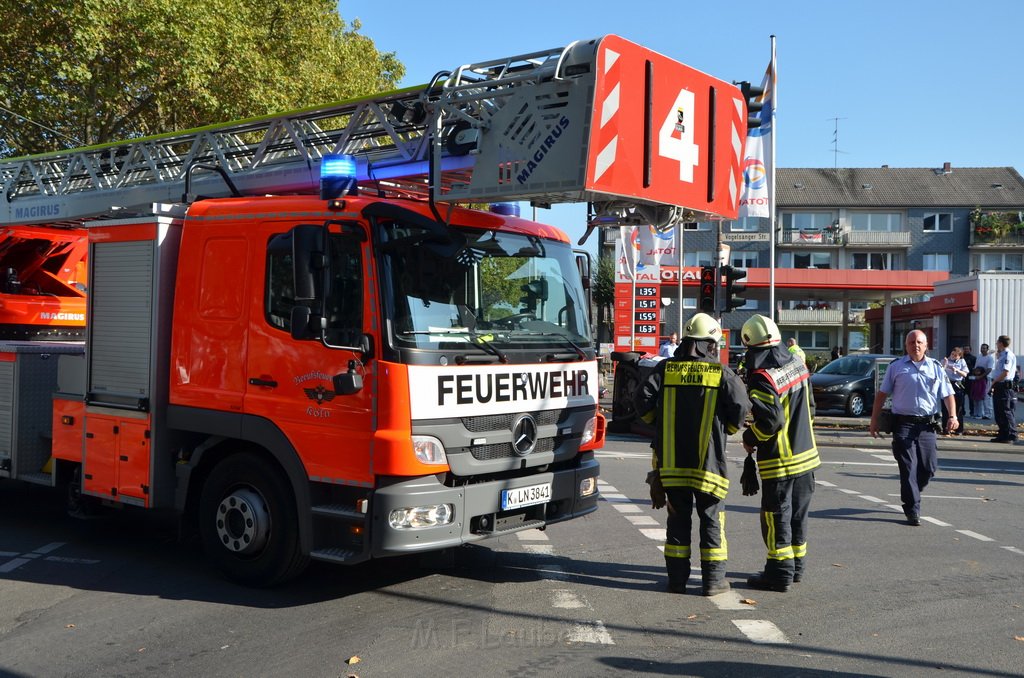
(780,395)
(694,403)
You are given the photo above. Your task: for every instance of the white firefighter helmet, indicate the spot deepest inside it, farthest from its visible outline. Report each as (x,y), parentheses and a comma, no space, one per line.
(702,326)
(760,332)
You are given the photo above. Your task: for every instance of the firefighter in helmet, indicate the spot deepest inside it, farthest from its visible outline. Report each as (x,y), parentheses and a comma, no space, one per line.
(782,436)
(694,402)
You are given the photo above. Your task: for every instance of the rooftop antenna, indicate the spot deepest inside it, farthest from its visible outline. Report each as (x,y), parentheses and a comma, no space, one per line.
(835,143)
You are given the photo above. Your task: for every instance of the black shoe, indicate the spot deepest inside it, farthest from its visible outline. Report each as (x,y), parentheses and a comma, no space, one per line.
(797,576)
(763,583)
(913,519)
(1000,439)
(714,588)
(676,588)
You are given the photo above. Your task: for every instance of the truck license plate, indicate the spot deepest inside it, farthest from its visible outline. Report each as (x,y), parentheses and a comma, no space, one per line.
(525,496)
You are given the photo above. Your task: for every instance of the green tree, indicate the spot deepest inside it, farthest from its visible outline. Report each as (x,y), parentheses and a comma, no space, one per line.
(101,70)
(604,295)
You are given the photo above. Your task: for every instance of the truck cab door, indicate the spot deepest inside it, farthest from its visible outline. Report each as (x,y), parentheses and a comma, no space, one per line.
(292,370)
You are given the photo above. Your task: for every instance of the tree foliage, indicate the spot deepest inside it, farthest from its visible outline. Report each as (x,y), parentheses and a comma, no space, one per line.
(103,70)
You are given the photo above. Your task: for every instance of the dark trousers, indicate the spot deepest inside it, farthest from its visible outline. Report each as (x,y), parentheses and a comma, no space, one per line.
(1004,402)
(713,547)
(913,446)
(784,507)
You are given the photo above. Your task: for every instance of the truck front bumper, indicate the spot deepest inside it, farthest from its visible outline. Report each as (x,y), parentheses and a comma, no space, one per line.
(477,510)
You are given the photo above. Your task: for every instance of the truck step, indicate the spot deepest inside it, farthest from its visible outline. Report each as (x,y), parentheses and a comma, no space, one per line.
(339,511)
(338,555)
(525,525)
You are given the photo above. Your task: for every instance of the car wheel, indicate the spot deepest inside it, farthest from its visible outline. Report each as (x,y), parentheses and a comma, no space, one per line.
(855,405)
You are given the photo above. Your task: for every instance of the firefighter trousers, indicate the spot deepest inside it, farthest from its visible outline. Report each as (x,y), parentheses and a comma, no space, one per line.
(713,547)
(784,507)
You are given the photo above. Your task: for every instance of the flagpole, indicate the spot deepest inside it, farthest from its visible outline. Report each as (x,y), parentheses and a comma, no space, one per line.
(771,188)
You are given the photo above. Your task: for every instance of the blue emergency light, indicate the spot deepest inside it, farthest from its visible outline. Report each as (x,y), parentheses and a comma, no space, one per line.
(338,176)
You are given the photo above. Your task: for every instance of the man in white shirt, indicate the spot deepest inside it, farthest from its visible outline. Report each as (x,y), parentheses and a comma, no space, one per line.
(986,361)
(668,349)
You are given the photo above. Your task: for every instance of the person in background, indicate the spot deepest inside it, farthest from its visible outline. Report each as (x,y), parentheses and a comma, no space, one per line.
(971,361)
(668,349)
(795,349)
(694,402)
(986,362)
(917,384)
(837,352)
(1004,397)
(782,436)
(956,370)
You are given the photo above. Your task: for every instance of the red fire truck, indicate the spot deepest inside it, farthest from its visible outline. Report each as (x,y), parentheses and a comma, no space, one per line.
(297,341)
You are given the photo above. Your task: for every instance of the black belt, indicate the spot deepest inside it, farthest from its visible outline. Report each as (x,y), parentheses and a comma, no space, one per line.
(1001,384)
(914,418)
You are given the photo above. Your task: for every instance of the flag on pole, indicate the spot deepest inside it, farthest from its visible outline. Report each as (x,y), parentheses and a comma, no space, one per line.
(758,162)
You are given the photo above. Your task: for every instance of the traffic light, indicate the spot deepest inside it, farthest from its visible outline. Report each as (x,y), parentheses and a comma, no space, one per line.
(535,290)
(753,95)
(734,284)
(708,288)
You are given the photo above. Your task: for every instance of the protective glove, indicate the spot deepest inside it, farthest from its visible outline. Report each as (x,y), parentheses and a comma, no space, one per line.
(748,480)
(658,498)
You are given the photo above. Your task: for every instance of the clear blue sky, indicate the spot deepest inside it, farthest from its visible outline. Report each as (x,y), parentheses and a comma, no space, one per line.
(915,83)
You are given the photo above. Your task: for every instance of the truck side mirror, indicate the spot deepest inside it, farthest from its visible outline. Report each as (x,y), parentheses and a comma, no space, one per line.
(300,322)
(348,383)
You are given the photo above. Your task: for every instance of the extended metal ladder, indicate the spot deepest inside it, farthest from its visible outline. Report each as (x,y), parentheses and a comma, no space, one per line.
(472,135)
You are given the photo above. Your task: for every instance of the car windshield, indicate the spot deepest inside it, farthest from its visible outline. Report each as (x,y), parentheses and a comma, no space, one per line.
(851,366)
(506,290)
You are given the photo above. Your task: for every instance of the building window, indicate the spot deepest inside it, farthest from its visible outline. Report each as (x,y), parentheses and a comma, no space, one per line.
(997,261)
(805,260)
(806,221)
(697,226)
(939,221)
(744,260)
(815,339)
(876,221)
(858,340)
(874,261)
(698,258)
(744,225)
(938,262)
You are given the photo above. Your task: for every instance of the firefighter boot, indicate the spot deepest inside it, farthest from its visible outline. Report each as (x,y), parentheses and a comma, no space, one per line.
(678,574)
(713,577)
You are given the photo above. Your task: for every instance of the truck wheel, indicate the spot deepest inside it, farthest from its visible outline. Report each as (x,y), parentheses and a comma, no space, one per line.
(249,523)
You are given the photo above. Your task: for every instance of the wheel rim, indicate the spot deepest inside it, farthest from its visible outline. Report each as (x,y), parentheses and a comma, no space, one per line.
(856,405)
(243,521)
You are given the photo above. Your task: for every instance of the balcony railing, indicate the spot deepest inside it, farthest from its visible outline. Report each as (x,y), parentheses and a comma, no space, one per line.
(826,237)
(990,239)
(818,316)
(874,238)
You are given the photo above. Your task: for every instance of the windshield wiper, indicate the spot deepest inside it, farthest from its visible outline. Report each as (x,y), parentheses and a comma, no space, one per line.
(575,347)
(477,340)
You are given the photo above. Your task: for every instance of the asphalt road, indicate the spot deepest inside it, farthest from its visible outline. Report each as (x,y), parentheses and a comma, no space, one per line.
(119,596)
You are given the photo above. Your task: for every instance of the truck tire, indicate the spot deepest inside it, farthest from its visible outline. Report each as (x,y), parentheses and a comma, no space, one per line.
(249,523)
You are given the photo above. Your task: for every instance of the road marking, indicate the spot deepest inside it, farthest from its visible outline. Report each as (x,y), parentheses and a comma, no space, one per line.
(894,507)
(858,463)
(656,534)
(945,496)
(824,483)
(565,599)
(590,632)
(883,457)
(874,499)
(539,549)
(1014,549)
(981,468)
(613,495)
(761,631)
(23,558)
(846,491)
(935,521)
(730,600)
(642,520)
(532,535)
(627,508)
(975,535)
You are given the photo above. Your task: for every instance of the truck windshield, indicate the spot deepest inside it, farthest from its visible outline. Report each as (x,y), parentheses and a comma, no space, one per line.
(506,290)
